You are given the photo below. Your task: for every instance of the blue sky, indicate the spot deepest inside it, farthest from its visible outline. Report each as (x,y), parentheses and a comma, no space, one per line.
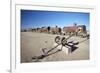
(34,19)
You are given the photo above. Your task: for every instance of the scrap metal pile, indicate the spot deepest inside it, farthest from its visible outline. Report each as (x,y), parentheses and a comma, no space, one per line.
(61,41)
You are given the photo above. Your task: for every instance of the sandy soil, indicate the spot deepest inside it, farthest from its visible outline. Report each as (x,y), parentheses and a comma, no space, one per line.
(32,44)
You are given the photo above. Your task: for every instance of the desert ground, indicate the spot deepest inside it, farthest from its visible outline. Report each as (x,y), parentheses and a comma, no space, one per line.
(32,44)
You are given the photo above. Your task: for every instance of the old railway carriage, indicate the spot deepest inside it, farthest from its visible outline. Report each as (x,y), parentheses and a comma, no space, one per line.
(80,29)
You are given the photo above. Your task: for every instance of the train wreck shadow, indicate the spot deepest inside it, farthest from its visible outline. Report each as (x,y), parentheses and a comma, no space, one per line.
(73,49)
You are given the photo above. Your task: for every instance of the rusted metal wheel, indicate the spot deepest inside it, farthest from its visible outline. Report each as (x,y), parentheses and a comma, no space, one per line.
(63,41)
(58,39)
